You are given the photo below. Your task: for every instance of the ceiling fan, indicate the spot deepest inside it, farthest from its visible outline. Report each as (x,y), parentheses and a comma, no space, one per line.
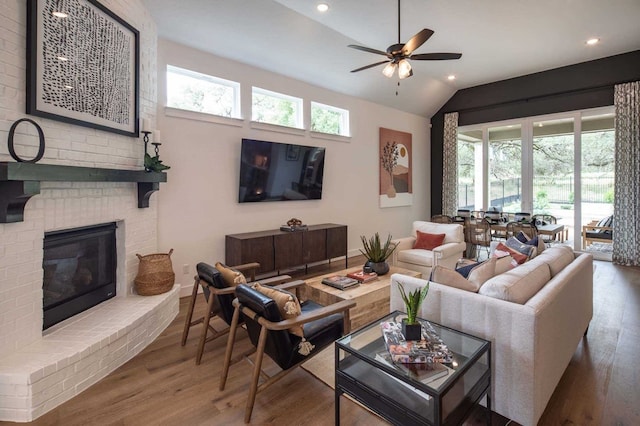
(399,54)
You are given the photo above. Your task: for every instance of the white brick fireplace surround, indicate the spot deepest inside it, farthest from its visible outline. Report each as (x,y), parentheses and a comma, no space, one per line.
(39,372)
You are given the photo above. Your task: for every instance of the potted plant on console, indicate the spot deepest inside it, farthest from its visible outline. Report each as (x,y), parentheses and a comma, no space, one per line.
(377,253)
(411,328)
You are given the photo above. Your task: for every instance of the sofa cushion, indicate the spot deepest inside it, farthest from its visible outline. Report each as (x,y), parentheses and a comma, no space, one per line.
(557,257)
(416,256)
(428,241)
(453,231)
(519,284)
(477,276)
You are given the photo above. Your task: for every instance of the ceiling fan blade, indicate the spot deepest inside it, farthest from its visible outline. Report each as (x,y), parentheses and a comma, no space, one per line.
(368,49)
(435,56)
(369,66)
(416,41)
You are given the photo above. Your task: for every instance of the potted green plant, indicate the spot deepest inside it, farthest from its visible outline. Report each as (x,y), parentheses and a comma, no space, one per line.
(377,253)
(411,328)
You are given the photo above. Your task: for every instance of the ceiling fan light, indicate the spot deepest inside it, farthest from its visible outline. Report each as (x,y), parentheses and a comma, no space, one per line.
(404,69)
(389,69)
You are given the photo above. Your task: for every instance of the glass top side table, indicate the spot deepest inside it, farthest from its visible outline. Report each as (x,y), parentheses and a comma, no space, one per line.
(397,393)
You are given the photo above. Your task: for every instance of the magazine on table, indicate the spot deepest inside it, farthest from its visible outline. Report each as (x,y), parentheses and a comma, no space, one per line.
(425,372)
(340,282)
(428,350)
(363,277)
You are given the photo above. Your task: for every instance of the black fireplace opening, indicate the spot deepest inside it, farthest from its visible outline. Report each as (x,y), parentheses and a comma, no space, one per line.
(79,270)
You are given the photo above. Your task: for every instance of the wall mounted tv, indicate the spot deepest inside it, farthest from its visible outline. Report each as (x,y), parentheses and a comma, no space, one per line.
(271,171)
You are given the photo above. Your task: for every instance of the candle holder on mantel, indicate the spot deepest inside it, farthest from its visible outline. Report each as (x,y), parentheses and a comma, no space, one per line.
(154,164)
(145,138)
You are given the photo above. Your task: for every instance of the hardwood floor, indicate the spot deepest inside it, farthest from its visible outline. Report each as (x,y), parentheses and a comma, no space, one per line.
(162,385)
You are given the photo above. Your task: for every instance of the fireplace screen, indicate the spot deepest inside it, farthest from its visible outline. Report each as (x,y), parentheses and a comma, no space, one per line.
(79,270)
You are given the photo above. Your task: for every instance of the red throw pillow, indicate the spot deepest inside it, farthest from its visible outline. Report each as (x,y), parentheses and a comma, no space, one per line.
(519,257)
(428,241)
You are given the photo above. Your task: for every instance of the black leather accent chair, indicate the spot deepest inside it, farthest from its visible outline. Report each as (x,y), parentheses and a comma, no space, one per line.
(219,297)
(269,333)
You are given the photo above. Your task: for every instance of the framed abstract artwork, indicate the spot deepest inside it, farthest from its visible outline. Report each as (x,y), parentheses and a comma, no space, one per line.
(396,186)
(82,65)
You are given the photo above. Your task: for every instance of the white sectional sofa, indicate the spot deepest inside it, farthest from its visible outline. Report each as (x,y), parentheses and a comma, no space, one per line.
(532,342)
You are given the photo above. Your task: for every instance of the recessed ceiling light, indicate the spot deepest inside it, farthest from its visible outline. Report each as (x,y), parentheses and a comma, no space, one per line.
(59,14)
(62,59)
(68,87)
(593,41)
(451,77)
(322,7)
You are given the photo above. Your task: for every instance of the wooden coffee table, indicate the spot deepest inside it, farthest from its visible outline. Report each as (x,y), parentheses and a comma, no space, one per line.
(372,298)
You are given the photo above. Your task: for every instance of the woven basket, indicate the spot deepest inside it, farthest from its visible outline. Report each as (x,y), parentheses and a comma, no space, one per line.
(155,274)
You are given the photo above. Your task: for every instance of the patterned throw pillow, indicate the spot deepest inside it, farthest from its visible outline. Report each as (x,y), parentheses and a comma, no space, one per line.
(524,248)
(231,276)
(427,241)
(288,304)
(517,256)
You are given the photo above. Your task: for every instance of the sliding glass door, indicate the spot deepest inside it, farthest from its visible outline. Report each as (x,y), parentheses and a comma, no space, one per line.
(597,182)
(505,168)
(553,171)
(559,165)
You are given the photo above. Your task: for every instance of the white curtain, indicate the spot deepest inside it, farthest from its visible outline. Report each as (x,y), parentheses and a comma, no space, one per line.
(450,165)
(626,222)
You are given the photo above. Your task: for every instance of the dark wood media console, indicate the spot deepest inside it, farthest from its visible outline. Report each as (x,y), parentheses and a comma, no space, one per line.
(276,250)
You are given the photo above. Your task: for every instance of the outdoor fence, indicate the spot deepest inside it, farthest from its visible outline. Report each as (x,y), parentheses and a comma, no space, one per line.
(556,190)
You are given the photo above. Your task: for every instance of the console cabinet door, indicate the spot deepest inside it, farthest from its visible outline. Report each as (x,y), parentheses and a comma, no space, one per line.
(336,242)
(314,245)
(288,250)
(257,249)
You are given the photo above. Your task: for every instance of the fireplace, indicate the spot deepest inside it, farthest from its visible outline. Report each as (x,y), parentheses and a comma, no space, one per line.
(79,270)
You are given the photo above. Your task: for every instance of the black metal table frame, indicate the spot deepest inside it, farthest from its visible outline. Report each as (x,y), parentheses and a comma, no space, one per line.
(459,414)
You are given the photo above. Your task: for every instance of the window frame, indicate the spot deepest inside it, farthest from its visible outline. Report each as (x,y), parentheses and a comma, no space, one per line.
(298,102)
(344,125)
(233,85)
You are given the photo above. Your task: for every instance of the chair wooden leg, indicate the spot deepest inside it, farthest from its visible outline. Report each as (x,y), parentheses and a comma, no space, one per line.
(205,328)
(229,351)
(262,340)
(192,303)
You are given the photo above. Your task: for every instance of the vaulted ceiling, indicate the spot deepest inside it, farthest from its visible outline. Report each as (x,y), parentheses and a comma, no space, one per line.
(498,39)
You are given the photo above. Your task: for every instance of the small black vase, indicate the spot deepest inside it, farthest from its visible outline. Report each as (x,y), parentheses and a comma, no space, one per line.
(380,268)
(411,331)
(367,268)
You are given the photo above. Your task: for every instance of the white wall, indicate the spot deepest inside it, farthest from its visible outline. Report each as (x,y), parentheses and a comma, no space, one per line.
(199,204)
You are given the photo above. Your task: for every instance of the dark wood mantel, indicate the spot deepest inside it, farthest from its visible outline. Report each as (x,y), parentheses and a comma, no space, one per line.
(21,181)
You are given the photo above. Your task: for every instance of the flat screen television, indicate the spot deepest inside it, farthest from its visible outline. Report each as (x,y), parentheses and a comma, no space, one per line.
(271,171)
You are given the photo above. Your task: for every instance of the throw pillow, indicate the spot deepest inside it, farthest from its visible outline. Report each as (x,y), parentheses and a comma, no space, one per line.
(504,264)
(427,241)
(517,256)
(515,244)
(465,270)
(522,237)
(288,304)
(538,243)
(230,276)
(477,276)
